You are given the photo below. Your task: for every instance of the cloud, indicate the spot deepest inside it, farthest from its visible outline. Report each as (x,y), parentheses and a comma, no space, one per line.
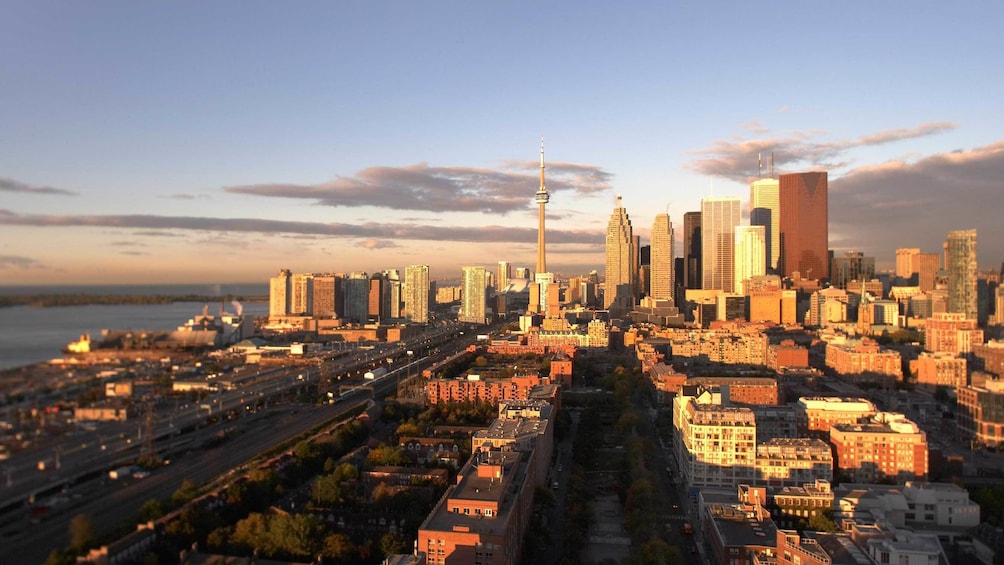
(879,208)
(184,196)
(737,159)
(16,262)
(8,185)
(377,244)
(368,230)
(435,189)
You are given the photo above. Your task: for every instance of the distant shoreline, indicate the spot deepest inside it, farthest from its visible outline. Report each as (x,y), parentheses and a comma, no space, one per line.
(84,299)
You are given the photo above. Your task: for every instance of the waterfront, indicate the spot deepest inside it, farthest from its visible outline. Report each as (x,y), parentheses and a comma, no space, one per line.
(31,335)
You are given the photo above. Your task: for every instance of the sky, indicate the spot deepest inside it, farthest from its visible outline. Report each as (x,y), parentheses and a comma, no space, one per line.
(217,142)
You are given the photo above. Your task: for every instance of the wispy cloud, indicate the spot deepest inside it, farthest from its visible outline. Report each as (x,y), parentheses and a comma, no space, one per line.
(877,208)
(16,262)
(435,189)
(9,185)
(369,230)
(377,244)
(737,159)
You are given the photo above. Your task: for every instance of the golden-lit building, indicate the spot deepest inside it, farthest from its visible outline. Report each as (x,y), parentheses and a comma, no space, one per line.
(940,369)
(889,447)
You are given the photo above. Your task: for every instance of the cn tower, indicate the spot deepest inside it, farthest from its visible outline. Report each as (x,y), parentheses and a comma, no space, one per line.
(542,199)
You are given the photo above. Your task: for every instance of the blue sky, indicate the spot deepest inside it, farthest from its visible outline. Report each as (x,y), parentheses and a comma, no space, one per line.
(221,141)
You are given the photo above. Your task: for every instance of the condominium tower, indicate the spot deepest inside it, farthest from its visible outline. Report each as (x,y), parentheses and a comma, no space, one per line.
(661,258)
(961,264)
(472,302)
(416,293)
(765,211)
(622,262)
(804,227)
(280,293)
(719,218)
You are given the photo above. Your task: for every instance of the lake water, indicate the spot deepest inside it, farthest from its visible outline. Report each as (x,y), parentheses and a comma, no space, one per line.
(31,335)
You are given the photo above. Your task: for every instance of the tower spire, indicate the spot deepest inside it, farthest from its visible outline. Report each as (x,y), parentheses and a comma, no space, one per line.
(542,198)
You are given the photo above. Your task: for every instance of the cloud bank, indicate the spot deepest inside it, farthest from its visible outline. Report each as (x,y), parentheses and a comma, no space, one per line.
(366,231)
(438,189)
(737,159)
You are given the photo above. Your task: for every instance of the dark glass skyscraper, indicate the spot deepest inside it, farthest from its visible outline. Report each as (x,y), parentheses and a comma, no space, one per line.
(692,250)
(804,225)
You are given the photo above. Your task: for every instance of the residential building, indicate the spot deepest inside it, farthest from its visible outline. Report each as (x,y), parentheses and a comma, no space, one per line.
(804,225)
(303,295)
(357,293)
(981,413)
(863,360)
(473,307)
(790,462)
(940,369)
(962,267)
(328,296)
(280,295)
(719,218)
(416,293)
(817,414)
(828,307)
(747,391)
(794,506)
(786,355)
(889,447)
(952,333)
(715,445)
(504,275)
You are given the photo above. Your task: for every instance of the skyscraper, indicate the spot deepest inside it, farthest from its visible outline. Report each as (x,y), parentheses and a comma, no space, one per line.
(750,250)
(472,302)
(804,225)
(692,250)
(393,293)
(303,295)
(719,218)
(661,258)
(542,278)
(765,211)
(621,266)
(416,293)
(280,293)
(328,301)
(357,292)
(505,273)
(962,267)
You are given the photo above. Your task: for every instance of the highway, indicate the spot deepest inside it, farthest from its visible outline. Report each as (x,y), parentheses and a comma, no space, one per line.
(75,480)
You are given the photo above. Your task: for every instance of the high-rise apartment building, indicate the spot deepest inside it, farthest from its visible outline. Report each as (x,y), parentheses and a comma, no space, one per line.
(765,211)
(303,295)
(719,218)
(917,268)
(472,302)
(661,258)
(804,225)
(750,249)
(504,274)
(280,293)
(357,294)
(622,262)
(379,305)
(328,300)
(692,250)
(416,293)
(962,267)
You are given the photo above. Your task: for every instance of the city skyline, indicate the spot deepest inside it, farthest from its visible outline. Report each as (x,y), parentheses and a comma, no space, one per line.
(168,144)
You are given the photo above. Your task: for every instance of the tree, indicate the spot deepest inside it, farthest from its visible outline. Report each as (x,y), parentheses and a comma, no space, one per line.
(151,510)
(81,532)
(392,543)
(822,521)
(338,547)
(185,493)
(387,455)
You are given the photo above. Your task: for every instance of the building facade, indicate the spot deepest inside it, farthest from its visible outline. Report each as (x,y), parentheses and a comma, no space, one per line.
(963,269)
(620,281)
(416,293)
(889,447)
(804,225)
(765,211)
(663,280)
(473,305)
(719,218)
(692,269)
(750,259)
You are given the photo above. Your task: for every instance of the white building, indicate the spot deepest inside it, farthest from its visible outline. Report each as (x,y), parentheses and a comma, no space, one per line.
(750,261)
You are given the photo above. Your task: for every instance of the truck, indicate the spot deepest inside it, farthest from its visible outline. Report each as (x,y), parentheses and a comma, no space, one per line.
(375,373)
(120,473)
